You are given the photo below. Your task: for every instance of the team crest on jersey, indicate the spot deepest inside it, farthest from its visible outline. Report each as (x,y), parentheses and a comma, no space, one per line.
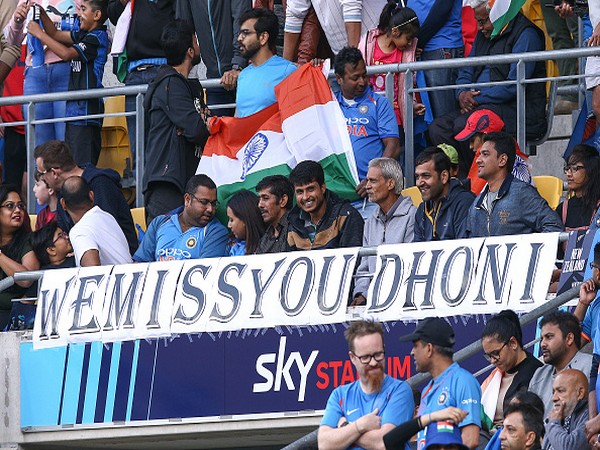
(442,398)
(191,242)
(252,152)
(363,109)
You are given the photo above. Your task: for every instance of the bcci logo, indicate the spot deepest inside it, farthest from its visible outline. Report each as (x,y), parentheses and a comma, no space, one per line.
(191,242)
(252,152)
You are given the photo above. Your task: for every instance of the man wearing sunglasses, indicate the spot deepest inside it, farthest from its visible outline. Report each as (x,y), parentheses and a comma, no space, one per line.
(359,414)
(191,231)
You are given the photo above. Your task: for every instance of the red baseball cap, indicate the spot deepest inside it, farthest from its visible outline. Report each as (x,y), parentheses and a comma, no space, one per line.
(480,121)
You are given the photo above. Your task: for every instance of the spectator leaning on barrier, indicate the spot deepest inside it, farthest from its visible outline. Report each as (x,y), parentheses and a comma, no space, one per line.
(565,423)
(217,25)
(256,83)
(370,118)
(55,164)
(359,414)
(86,49)
(392,223)
(96,237)
(442,214)
(523,427)
(143,48)
(506,205)
(519,36)
(176,122)
(275,200)
(191,231)
(561,341)
(320,218)
(433,348)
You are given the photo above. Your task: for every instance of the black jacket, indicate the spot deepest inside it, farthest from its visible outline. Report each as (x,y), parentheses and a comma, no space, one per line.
(174,128)
(106,185)
(450,221)
(341,226)
(147,22)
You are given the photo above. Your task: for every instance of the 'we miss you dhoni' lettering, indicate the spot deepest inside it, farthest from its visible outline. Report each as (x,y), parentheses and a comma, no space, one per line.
(411,281)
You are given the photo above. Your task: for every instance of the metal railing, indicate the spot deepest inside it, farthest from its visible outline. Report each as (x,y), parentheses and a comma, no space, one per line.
(409,68)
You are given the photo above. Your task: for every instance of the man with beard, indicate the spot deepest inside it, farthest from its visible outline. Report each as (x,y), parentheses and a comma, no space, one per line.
(561,341)
(320,218)
(565,424)
(442,214)
(191,231)
(275,199)
(176,122)
(256,83)
(433,348)
(359,414)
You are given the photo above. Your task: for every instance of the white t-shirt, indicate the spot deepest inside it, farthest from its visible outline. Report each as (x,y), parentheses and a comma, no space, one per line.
(98,230)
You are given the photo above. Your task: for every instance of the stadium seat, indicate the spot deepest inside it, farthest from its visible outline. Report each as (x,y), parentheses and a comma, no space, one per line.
(414,193)
(139,218)
(550,188)
(115,140)
(32,220)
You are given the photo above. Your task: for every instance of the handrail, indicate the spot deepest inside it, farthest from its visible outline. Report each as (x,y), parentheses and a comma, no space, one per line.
(409,68)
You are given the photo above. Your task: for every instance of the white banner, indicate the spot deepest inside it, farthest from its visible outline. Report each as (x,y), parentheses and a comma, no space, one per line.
(411,281)
(137,301)
(470,276)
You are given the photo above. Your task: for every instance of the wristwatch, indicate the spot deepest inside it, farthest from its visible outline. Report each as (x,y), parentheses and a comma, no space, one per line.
(237,67)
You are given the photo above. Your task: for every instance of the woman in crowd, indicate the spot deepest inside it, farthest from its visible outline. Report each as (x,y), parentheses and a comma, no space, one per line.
(16,254)
(502,341)
(245,222)
(583,181)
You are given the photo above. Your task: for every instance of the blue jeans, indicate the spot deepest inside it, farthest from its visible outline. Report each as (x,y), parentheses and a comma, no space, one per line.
(41,80)
(133,79)
(442,102)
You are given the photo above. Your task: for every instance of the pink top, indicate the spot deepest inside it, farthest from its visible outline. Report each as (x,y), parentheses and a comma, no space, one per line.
(14,32)
(378,81)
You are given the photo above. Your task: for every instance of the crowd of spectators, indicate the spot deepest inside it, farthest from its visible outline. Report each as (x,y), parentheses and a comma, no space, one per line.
(473,180)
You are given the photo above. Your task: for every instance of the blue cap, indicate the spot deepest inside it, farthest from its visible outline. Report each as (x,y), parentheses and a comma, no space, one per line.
(443,433)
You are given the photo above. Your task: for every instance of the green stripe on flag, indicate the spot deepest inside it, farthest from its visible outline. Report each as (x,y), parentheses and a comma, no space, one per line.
(503,12)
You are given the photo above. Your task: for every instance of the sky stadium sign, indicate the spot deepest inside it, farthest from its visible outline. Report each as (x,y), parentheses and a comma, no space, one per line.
(411,281)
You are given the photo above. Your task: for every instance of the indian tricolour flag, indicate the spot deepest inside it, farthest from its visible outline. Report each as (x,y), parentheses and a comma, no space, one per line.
(306,123)
(502,12)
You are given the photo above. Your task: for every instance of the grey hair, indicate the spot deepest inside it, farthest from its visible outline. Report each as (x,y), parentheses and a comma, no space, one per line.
(477,3)
(390,168)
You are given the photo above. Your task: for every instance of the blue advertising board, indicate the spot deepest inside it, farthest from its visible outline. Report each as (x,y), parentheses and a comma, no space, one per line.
(270,370)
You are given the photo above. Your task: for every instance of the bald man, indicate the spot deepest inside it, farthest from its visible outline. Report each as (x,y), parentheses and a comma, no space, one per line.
(565,426)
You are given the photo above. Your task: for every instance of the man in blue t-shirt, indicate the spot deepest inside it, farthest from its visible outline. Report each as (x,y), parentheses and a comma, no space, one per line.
(359,414)
(189,232)
(256,83)
(371,122)
(433,348)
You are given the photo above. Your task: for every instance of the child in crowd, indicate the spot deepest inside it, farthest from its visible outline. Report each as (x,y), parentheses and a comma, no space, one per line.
(44,195)
(392,42)
(245,222)
(87,49)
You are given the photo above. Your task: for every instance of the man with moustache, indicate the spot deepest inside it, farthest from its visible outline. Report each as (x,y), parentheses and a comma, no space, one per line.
(275,199)
(433,349)
(446,202)
(175,122)
(561,341)
(359,414)
(565,424)
(320,218)
(256,83)
(392,223)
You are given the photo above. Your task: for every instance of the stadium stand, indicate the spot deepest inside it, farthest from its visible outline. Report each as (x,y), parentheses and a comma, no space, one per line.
(550,188)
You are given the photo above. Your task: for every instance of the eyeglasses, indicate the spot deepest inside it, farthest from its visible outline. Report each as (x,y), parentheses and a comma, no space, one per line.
(573,169)
(61,235)
(482,22)
(366,359)
(494,356)
(246,33)
(204,202)
(11,206)
(593,266)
